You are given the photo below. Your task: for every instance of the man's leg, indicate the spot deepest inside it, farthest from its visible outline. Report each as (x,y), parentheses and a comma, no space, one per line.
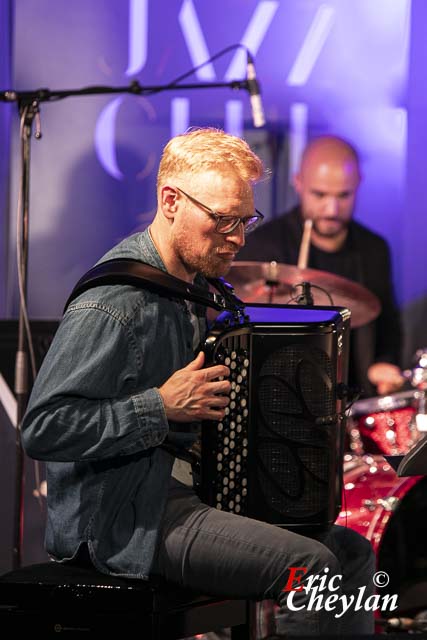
(221,553)
(357,561)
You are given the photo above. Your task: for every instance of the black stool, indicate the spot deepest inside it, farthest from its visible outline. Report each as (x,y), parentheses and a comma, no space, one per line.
(53,597)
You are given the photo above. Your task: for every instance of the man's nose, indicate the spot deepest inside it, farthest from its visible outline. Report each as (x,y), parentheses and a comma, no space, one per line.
(237,235)
(331,207)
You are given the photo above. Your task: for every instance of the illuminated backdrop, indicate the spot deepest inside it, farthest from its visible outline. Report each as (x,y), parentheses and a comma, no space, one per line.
(336,66)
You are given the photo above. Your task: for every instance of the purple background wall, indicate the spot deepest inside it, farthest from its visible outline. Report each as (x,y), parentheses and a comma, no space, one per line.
(93,172)
(352,68)
(5,116)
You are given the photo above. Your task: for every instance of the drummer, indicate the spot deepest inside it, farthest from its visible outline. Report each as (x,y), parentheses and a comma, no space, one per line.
(327,184)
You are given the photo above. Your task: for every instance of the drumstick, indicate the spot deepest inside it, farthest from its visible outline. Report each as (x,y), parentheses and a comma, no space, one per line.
(305,245)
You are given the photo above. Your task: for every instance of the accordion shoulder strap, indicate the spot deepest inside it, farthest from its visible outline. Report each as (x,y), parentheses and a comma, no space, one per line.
(142,275)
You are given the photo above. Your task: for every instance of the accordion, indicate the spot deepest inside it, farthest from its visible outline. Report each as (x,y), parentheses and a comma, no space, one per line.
(277,454)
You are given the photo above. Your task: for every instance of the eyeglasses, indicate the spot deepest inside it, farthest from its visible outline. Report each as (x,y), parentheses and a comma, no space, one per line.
(227,224)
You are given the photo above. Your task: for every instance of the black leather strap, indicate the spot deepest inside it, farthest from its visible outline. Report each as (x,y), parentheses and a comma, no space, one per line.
(138,274)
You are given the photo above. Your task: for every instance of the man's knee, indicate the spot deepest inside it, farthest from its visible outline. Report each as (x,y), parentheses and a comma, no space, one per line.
(319,562)
(323,557)
(354,551)
(352,542)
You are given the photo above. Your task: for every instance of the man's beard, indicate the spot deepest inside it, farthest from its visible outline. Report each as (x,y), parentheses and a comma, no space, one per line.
(343,226)
(209,266)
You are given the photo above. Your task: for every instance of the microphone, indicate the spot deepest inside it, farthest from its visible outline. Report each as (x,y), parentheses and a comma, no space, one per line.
(8,96)
(254,93)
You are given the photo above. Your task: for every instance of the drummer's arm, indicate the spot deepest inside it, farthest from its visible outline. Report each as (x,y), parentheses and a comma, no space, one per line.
(386,377)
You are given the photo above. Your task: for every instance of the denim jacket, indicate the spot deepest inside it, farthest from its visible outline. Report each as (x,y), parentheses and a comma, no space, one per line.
(96,416)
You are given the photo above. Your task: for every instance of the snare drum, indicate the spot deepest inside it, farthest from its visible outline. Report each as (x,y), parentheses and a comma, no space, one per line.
(384,425)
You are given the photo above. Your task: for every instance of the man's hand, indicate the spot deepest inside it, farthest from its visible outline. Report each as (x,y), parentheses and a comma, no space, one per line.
(194,393)
(386,377)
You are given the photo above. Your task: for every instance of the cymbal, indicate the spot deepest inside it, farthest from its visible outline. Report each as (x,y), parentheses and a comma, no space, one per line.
(278,283)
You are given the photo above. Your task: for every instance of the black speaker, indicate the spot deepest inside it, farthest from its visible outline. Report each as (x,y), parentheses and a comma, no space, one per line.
(42,333)
(277,455)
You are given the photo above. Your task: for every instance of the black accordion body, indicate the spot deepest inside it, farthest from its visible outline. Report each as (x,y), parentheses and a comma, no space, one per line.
(277,454)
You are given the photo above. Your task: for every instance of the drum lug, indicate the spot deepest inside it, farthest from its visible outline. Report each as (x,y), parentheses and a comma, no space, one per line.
(388,504)
(371,505)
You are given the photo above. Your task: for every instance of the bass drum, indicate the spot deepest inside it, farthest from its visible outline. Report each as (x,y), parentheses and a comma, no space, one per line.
(391,512)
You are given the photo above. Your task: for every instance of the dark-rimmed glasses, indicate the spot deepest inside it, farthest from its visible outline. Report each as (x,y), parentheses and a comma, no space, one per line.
(227,224)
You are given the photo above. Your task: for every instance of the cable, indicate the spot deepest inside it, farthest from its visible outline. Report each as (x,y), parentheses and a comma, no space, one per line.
(19,265)
(312,286)
(211,59)
(23,304)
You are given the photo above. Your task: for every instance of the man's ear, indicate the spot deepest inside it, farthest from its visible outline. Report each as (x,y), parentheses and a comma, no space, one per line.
(296,181)
(168,199)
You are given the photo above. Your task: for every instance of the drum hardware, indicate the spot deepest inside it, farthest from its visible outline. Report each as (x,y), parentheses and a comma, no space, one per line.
(418,379)
(418,375)
(350,462)
(421,421)
(356,443)
(272,282)
(388,504)
(373,494)
(267,282)
(416,624)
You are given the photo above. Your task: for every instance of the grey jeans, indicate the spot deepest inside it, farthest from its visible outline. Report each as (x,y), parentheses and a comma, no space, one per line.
(225,554)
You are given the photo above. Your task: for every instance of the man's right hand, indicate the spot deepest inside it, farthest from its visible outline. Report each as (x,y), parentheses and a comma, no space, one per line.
(194,393)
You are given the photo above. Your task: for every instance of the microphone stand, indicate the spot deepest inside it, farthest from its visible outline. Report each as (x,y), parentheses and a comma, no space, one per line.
(305,298)
(29,110)
(28,105)
(44,95)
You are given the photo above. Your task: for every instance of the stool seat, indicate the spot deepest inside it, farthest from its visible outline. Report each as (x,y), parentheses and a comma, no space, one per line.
(62,597)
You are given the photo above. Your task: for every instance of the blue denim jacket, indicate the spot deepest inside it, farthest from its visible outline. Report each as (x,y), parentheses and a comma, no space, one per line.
(96,416)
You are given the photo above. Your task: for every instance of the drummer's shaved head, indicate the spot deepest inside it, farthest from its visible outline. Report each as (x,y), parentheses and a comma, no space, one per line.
(329,150)
(327,184)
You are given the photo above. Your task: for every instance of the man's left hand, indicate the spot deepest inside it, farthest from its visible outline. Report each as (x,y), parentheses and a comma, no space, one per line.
(386,377)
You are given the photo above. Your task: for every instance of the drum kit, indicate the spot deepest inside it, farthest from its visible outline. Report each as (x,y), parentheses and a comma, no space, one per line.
(385,425)
(388,510)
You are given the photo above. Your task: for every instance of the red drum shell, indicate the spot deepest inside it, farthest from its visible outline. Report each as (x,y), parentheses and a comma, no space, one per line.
(384,425)
(372,492)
